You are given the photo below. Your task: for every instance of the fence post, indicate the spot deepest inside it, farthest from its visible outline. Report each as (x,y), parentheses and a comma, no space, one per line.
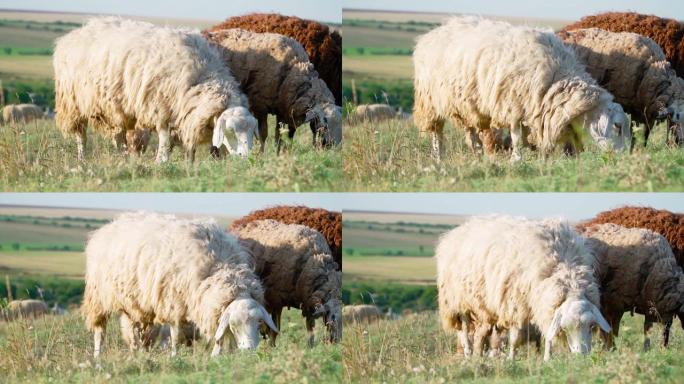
(355,99)
(9,288)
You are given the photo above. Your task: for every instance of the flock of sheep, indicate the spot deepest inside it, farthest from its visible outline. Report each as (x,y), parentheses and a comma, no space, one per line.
(180,280)
(547,90)
(508,280)
(502,275)
(129,78)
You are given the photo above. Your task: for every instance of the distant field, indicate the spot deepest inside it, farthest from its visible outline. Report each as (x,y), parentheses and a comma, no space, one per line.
(394,217)
(402,269)
(52,263)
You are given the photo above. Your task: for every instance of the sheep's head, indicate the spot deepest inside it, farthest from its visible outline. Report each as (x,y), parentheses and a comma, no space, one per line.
(239,121)
(327,120)
(609,127)
(331,312)
(575,318)
(674,113)
(242,319)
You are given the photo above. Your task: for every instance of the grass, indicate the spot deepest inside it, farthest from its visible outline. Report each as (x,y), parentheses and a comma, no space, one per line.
(35,157)
(60,349)
(414,349)
(390,156)
(399,269)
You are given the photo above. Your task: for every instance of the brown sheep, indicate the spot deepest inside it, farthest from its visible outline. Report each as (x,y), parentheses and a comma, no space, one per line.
(323,46)
(329,223)
(668,33)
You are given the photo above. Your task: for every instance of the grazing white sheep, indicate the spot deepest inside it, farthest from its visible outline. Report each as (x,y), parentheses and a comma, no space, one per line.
(162,269)
(361,314)
(374,112)
(26,309)
(297,270)
(275,73)
(119,75)
(634,69)
(483,74)
(508,273)
(638,272)
(21,113)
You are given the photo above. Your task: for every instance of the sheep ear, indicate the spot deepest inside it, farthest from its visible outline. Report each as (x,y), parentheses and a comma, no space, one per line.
(218,136)
(600,320)
(555,325)
(224,322)
(267,319)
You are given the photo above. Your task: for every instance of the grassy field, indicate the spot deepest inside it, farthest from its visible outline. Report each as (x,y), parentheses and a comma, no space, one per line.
(35,157)
(391,156)
(59,349)
(400,269)
(414,349)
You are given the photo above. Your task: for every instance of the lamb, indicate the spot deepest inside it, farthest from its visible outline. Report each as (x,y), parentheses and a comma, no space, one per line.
(275,73)
(119,75)
(21,113)
(361,314)
(137,141)
(322,45)
(374,112)
(508,273)
(667,33)
(328,223)
(483,74)
(162,269)
(634,69)
(295,266)
(638,272)
(26,309)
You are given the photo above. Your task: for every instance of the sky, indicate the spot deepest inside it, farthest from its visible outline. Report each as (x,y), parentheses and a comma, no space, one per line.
(322,10)
(572,206)
(566,9)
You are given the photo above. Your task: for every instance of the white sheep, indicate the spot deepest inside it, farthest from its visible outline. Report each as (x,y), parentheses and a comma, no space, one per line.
(634,69)
(297,270)
(361,314)
(638,272)
(166,270)
(26,309)
(21,113)
(508,273)
(275,73)
(374,112)
(119,75)
(483,74)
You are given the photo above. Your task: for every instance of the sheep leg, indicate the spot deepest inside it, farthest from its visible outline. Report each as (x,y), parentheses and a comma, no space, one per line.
(609,337)
(164,147)
(478,339)
(513,342)
(276,319)
(516,143)
(278,140)
(463,336)
(437,144)
(666,332)
(310,322)
(81,144)
(174,330)
(473,140)
(99,339)
(263,132)
(648,324)
(494,343)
